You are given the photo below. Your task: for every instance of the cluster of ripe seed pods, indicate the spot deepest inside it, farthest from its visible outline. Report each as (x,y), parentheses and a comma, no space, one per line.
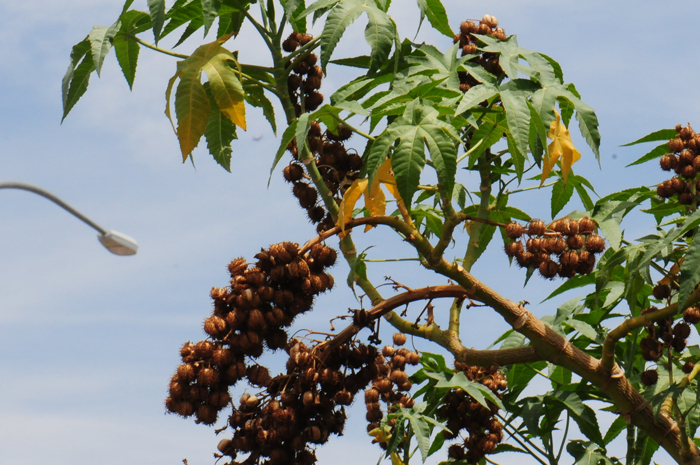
(565,247)
(302,408)
(467,41)
(305,78)
(663,336)
(684,159)
(463,412)
(248,316)
(391,386)
(338,167)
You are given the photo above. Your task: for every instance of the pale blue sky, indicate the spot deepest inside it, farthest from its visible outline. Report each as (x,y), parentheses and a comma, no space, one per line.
(90,339)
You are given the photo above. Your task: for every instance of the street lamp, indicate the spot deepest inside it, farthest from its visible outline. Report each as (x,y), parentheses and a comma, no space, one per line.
(115,242)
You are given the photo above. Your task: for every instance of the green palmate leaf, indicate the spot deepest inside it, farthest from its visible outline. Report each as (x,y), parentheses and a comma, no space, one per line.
(490,131)
(690,271)
(292,11)
(77,77)
(588,125)
(77,54)
(319,5)
(588,453)
(474,97)
(156,9)
(191,28)
(583,415)
(192,108)
(505,447)
(656,247)
(219,134)
(662,134)
(657,152)
(210,10)
(583,328)
(255,95)
(339,18)
(437,16)
(421,429)
(302,130)
(182,13)
(380,34)
(417,128)
(125,47)
(478,391)
(100,43)
(618,426)
(561,194)
(518,118)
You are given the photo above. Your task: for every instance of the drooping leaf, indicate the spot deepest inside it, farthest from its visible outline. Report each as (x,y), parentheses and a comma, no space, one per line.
(561,194)
(125,47)
(182,13)
(583,415)
(100,43)
(618,426)
(77,77)
(340,17)
(226,87)
(518,118)
(219,134)
(421,429)
(157,12)
(380,34)
(210,10)
(255,95)
(192,108)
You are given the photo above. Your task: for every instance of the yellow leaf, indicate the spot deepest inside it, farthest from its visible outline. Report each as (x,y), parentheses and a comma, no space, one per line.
(380,435)
(395,460)
(560,147)
(192,108)
(226,87)
(350,198)
(236,113)
(375,201)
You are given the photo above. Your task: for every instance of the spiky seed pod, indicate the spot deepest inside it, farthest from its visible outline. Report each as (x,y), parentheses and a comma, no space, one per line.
(686,157)
(556,245)
(293,83)
(222,357)
(595,243)
(316,214)
(575,242)
(204,350)
(215,326)
(311,84)
(464,87)
(178,388)
(469,49)
(371,395)
(258,375)
(686,133)
(569,259)
(688,367)
(534,245)
(525,259)
(314,100)
(549,269)
(184,408)
(219,399)
(573,227)
(399,339)
(413,358)
(561,226)
(681,330)
(374,415)
(388,351)
(688,172)
(686,198)
(675,145)
(514,248)
(187,352)
(514,230)
(663,191)
(207,377)
(306,194)
(186,373)
(679,344)
(293,172)
(290,44)
(662,291)
(343,397)
(678,185)
(696,163)
(668,162)
(237,266)
(692,315)
(206,414)
(235,372)
(398,377)
(483,29)
(536,228)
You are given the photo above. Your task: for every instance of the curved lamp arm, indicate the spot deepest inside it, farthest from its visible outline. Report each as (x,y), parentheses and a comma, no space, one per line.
(115,242)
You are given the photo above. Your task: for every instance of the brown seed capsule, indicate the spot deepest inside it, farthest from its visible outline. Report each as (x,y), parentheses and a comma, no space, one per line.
(561,226)
(469,49)
(688,367)
(388,351)
(679,344)
(207,376)
(413,358)
(186,373)
(549,269)
(514,230)
(686,133)
(569,259)
(668,162)
(343,397)
(398,377)
(222,357)
(525,259)
(204,350)
(514,248)
(595,243)
(206,414)
(662,291)
(536,228)
(371,395)
(686,198)
(535,245)
(681,330)
(675,145)
(692,315)
(575,242)
(215,326)
(688,172)
(399,339)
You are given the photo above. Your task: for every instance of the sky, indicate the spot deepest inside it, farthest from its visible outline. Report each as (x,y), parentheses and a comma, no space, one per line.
(91,339)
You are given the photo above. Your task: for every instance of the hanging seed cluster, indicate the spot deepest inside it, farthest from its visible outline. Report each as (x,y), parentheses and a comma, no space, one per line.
(664,335)
(248,316)
(305,79)
(391,386)
(564,248)
(338,167)
(684,159)
(463,412)
(467,41)
(301,409)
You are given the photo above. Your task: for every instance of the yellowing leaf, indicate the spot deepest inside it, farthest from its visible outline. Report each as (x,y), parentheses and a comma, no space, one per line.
(395,460)
(226,87)
(192,108)
(560,147)
(380,435)
(236,114)
(375,200)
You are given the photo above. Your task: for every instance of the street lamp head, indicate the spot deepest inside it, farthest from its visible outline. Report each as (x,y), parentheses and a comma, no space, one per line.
(118,243)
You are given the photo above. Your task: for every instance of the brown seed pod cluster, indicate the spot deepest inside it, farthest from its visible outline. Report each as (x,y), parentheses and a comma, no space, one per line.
(338,166)
(663,335)
(565,248)
(684,159)
(467,41)
(463,412)
(305,77)
(248,316)
(302,408)
(391,386)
